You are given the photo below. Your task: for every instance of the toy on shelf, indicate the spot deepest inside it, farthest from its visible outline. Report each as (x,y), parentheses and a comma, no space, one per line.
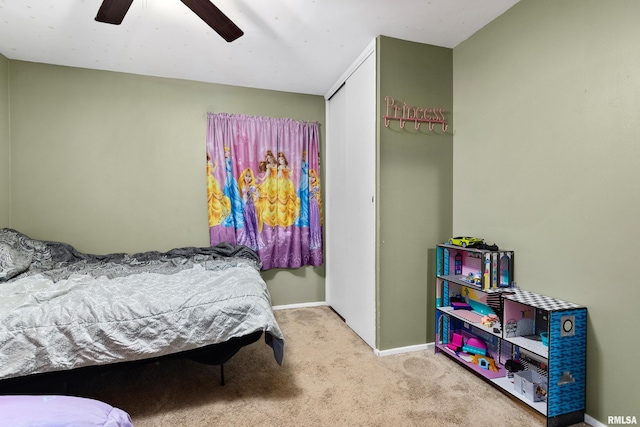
(475,346)
(456,343)
(465,242)
(475,278)
(472,242)
(544,336)
(541,392)
(512,366)
(460,306)
(485,362)
(489,320)
(531,385)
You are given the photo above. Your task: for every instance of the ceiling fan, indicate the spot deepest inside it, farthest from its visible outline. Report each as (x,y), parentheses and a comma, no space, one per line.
(113,12)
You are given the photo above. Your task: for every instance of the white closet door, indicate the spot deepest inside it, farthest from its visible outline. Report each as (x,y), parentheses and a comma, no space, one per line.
(336,202)
(350,192)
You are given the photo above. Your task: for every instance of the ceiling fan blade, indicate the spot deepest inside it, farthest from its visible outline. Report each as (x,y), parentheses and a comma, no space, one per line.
(214,18)
(113,11)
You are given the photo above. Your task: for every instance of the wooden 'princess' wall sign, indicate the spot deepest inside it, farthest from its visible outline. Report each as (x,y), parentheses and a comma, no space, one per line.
(417,115)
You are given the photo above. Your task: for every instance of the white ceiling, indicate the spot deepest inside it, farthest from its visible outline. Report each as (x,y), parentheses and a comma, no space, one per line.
(299,46)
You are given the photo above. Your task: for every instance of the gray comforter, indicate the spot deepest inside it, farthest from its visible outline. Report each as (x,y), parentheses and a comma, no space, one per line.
(62,309)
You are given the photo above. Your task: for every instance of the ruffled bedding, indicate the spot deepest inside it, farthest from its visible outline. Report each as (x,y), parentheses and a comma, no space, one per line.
(62,309)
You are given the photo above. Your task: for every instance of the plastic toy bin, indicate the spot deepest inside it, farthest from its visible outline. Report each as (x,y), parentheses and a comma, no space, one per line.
(530,384)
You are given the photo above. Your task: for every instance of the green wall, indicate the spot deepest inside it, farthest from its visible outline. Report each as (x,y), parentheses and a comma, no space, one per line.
(414,190)
(5,145)
(114,162)
(546,150)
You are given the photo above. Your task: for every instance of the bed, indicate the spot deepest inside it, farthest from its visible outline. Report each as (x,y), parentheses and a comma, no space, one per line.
(62,309)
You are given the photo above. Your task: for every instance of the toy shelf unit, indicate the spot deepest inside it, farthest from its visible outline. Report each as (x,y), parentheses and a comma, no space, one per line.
(530,346)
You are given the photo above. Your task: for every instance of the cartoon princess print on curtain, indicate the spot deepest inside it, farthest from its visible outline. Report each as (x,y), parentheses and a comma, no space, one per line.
(219,204)
(315,211)
(264,188)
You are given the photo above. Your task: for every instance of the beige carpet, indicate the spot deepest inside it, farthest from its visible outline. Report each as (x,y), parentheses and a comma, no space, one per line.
(329,378)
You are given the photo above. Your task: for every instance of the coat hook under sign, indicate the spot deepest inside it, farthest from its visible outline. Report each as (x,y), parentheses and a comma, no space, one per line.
(417,115)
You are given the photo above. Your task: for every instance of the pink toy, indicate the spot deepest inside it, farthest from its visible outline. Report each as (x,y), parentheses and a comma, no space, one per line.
(475,346)
(476,342)
(456,342)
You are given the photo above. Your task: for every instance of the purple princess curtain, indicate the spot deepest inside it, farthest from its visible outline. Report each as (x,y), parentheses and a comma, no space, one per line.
(263,184)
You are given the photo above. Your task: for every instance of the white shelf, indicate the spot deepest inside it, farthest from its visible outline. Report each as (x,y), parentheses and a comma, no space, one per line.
(528,344)
(507,385)
(460,358)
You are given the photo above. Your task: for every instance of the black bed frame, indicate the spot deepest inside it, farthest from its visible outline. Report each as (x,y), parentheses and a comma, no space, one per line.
(58,382)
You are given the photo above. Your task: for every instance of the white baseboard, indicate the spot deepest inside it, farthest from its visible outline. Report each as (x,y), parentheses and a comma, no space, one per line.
(407,349)
(300,305)
(377,352)
(592,421)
